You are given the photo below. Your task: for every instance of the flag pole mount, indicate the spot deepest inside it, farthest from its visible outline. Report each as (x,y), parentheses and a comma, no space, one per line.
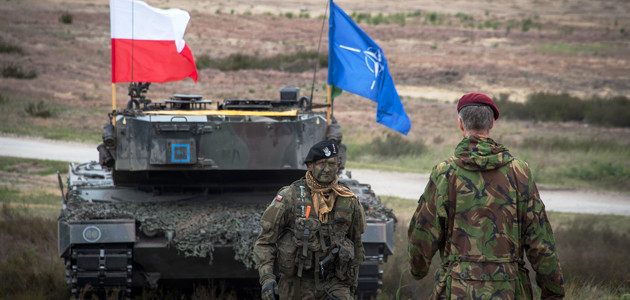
(330,104)
(114,102)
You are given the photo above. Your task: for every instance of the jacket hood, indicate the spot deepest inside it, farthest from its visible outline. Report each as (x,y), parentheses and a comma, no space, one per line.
(477,153)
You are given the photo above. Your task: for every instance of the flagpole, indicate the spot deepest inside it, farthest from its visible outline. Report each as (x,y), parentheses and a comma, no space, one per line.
(329,100)
(114,102)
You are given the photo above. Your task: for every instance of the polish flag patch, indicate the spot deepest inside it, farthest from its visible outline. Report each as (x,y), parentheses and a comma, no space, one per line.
(279,198)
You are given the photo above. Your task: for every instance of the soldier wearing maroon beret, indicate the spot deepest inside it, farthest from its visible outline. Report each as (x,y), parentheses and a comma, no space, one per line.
(482,211)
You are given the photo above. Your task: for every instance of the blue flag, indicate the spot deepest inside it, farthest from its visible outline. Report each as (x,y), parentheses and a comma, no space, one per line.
(358,65)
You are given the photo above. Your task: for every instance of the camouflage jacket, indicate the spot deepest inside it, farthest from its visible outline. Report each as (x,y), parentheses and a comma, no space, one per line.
(283,239)
(482,210)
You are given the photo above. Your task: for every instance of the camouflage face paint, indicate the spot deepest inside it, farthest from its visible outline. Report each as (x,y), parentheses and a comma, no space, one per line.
(325,170)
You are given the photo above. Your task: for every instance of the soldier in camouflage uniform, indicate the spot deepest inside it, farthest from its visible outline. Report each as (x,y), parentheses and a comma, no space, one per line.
(312,232)
(482,210)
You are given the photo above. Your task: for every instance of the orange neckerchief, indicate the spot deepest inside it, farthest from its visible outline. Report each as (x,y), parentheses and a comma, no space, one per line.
(324,195)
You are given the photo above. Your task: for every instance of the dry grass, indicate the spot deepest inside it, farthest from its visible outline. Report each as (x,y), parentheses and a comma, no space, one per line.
(29,265)
(72,60)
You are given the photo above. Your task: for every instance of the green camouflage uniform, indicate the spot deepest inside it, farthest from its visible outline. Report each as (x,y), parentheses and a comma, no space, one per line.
(283,241)
(482,210)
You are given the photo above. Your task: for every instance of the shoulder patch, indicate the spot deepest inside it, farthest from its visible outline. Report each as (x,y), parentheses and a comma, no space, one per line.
(279,198)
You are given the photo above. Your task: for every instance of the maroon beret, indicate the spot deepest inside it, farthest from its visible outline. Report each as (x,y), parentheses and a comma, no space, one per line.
(477,99)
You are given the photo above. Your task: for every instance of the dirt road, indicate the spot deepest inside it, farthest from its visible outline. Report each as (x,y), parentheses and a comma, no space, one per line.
(402,185)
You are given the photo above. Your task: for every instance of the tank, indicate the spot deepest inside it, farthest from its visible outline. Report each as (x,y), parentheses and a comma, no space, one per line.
(180,187)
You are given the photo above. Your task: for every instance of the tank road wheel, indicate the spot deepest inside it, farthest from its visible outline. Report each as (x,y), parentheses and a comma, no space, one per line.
(103,271)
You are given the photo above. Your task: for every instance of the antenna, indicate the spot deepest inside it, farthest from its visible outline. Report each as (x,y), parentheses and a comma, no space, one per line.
(318,47)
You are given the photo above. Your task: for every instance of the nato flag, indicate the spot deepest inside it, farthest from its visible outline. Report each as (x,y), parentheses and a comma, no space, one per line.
(358,65)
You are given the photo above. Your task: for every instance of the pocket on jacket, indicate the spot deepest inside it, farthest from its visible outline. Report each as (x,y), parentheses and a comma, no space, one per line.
(287,250)
(345,260)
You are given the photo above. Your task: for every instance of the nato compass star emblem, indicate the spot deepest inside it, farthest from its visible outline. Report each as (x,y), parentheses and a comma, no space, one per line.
(373,60)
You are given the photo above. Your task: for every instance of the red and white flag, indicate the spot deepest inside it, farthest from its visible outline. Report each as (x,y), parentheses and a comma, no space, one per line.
(148,43)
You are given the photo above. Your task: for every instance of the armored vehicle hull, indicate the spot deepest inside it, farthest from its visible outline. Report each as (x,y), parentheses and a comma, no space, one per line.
(179,191)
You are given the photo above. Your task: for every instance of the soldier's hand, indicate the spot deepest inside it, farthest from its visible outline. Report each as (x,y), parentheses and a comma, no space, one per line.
(269,291)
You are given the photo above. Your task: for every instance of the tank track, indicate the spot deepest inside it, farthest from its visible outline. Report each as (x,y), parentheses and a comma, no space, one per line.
(100,269)
(370,274)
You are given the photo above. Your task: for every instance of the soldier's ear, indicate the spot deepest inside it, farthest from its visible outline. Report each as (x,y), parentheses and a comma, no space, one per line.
(461,126)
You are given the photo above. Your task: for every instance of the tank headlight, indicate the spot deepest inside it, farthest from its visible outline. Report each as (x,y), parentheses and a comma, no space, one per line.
(150,232)
(91,234)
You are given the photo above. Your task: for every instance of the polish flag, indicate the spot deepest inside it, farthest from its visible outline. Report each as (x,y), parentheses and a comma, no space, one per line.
(148,43)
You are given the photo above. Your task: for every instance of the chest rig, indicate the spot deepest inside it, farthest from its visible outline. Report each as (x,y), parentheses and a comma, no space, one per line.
(310,248)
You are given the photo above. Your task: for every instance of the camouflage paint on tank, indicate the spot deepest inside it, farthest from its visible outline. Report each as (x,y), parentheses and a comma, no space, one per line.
(165,142)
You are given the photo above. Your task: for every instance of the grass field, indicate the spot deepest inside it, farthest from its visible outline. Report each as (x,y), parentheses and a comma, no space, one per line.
(559,154)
